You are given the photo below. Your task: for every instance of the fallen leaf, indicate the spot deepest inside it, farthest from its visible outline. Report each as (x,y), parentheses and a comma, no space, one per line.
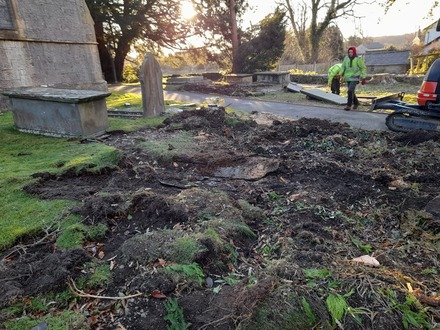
(367,260)
(157,294)
(101,255)
(399,184)
(295,197)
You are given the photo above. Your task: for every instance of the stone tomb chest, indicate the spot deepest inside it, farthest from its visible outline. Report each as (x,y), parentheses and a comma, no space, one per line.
(59,112)
(239,78)
(272,77)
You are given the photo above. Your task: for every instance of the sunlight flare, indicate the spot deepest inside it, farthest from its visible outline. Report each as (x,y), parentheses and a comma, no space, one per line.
(187,10)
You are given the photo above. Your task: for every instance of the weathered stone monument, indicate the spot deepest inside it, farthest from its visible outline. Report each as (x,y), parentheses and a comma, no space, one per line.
(48,43)
(59,112)
(50,73)
(151,85)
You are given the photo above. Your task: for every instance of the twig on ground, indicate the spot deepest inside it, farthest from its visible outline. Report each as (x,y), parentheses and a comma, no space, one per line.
(23,247)
(82,294)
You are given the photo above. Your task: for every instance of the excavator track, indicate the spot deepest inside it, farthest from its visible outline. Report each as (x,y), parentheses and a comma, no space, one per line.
(402,122)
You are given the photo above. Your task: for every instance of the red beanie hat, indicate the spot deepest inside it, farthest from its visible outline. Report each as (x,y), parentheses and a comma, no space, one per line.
(353,48)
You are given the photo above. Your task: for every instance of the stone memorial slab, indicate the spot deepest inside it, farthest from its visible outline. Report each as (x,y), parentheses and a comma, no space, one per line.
(153,102)
(319,94)
(294,87)
(253,168)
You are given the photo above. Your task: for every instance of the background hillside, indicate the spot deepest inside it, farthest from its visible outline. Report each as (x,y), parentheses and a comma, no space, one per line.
(403,41)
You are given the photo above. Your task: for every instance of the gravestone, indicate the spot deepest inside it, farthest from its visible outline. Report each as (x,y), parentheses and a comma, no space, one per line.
(153,103)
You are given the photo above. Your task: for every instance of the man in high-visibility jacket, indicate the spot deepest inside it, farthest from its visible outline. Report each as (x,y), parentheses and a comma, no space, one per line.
(353,70)
(334,78)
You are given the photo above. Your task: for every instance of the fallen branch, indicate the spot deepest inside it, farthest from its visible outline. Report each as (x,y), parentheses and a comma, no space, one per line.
(82,294)
(424,299)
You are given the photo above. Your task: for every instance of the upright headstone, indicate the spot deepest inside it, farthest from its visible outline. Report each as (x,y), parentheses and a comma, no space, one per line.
(151,85)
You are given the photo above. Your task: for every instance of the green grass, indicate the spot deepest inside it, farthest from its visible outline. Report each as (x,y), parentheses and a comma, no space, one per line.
(118,100)
(161,148)
(22,155)
(63,321)
(130,125)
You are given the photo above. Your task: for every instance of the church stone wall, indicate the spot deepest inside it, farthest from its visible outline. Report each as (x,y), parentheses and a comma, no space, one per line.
(48,43)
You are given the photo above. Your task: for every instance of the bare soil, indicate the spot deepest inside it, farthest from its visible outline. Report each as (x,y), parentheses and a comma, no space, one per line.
(267,202)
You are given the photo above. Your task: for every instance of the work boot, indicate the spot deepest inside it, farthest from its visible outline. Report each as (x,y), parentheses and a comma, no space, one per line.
(354,107)
(347,108)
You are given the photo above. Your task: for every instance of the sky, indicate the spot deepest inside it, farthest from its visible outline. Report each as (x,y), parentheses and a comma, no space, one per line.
(405,16)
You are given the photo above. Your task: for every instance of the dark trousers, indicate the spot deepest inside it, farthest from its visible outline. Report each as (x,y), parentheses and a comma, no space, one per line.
(352,99)
(336,86)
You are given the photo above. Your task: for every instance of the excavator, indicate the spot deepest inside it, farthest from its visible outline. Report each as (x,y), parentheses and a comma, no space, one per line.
(425,115)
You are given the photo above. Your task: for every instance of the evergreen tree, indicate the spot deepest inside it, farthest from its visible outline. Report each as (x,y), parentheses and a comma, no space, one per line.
(262,52)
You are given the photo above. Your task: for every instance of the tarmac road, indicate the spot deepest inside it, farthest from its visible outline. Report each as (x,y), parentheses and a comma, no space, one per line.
(356,119)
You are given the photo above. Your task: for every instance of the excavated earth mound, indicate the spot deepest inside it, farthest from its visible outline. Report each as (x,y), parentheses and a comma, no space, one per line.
(249,224)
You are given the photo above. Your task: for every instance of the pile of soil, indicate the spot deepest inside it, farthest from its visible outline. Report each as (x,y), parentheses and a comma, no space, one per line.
(249,223)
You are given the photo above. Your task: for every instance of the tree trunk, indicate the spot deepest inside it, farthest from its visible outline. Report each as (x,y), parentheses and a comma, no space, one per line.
(104,54)
(234,35)
(120,55)
(299,31)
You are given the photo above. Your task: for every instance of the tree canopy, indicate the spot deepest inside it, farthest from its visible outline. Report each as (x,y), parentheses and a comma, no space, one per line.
(120,23)
(221,22)
(262,52)
(310,19)
(389,3)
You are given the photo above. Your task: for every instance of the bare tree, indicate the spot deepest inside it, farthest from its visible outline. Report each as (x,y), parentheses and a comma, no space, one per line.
(388,3)
(309,27)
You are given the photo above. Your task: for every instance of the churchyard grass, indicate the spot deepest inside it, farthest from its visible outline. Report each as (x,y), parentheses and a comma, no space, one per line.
(130,125)
(23,155)
(119,100)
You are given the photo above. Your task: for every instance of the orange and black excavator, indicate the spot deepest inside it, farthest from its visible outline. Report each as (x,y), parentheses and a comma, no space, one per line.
(425,115)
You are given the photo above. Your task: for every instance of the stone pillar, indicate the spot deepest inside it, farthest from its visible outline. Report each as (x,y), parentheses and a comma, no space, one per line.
(151,85)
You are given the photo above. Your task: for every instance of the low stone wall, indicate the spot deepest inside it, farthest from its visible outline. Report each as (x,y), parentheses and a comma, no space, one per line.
(321,79)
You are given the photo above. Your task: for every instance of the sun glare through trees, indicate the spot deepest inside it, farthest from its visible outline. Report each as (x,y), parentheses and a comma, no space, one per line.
(187,10)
